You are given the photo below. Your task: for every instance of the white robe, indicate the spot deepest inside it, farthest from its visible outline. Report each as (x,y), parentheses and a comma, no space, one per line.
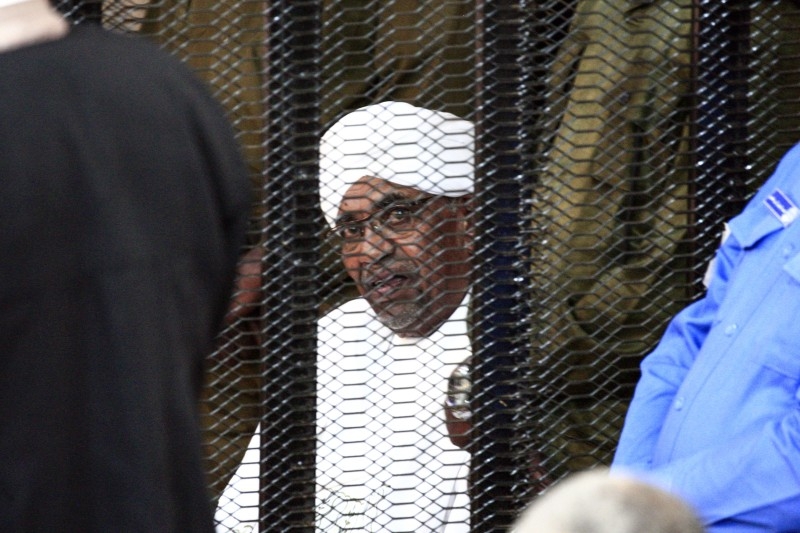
(384,461)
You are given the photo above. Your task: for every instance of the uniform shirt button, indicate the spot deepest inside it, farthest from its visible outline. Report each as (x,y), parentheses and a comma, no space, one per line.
(679,403)
(730,329)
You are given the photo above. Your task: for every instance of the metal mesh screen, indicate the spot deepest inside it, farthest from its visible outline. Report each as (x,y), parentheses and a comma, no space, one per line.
(613,139)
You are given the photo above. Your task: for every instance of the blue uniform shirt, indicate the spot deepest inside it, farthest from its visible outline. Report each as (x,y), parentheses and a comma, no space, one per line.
(716,413)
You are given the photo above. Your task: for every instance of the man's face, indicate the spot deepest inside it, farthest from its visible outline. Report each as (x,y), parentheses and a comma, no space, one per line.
(413,269)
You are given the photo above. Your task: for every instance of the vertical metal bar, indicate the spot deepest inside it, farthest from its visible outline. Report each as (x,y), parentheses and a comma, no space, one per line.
(723,72)
(82,10)
(510,95)
(291,247)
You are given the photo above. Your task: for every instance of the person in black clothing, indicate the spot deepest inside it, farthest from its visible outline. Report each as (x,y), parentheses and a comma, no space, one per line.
(123,200)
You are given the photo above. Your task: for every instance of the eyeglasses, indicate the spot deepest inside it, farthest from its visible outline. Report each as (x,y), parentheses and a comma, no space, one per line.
(394,221)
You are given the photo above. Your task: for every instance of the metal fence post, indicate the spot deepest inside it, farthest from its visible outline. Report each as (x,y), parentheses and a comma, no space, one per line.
(510,94)
(291,246)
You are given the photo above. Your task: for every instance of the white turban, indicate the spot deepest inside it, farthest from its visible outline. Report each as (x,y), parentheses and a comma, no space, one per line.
(432,151)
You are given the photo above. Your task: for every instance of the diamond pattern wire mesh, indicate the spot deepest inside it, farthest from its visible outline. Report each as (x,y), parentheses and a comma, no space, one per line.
(614,138)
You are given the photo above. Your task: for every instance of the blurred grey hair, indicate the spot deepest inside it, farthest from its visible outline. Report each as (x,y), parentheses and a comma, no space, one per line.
(598,502)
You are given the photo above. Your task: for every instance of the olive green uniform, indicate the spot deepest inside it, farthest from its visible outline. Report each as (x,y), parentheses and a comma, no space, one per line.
(616,203)
(613,200)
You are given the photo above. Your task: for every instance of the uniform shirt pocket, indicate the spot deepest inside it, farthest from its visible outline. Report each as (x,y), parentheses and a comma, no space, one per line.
(780,328)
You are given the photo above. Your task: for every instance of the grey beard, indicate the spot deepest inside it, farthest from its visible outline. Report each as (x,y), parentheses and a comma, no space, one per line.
(406,316)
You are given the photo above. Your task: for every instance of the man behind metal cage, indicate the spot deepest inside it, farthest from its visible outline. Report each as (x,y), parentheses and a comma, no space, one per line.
(396,189)
(123,200)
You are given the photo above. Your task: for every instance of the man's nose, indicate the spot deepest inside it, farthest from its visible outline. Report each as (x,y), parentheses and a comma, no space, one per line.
(374,244)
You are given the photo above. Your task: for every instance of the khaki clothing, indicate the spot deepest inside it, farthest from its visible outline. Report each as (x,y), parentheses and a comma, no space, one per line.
(225,44)
(616,200)
(613,197)
(422,53)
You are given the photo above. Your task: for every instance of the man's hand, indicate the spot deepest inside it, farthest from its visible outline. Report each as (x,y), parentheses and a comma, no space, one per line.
(457,412)
(458,419)
(248,285)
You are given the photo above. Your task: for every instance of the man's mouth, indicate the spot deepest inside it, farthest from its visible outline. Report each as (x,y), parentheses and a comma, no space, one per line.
(381,286)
